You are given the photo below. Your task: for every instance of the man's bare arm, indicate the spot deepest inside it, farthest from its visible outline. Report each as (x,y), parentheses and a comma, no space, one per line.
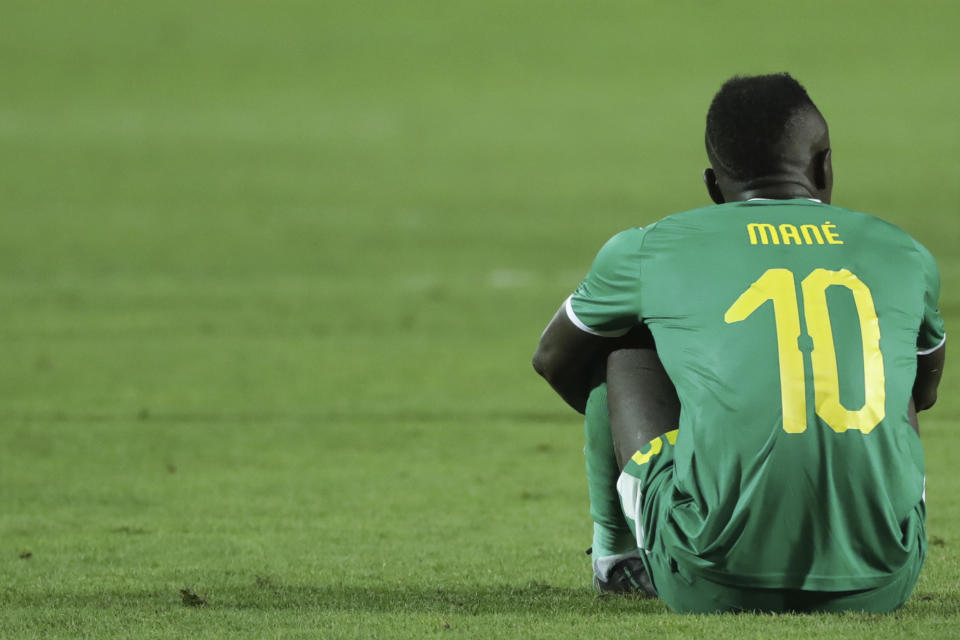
(564,358)
(929,371)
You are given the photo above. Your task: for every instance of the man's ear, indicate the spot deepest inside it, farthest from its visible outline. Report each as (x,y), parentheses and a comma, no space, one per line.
(823,172)
(710,179)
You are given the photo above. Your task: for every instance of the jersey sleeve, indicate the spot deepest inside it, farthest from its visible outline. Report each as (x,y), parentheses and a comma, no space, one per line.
(607,301)
(932,334)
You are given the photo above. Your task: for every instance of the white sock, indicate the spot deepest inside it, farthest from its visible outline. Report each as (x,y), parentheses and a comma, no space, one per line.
(603,564)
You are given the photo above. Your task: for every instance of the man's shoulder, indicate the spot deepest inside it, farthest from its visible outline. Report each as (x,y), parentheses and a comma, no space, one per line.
(682,226)
(880,228)
(708,210)
(707,215)
(637,234)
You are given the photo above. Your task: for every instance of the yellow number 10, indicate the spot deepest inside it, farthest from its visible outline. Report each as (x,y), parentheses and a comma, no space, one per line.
(779,285)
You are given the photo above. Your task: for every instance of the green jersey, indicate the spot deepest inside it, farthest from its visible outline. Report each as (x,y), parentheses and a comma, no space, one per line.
(790,329)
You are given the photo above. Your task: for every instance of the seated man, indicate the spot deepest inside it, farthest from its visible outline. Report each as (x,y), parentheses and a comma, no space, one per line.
(800,339)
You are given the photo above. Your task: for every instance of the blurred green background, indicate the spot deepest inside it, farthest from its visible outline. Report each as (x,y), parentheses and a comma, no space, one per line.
(271,274)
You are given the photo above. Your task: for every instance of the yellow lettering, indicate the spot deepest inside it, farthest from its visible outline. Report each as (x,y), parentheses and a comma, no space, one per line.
(832,236)
(789,233)
(779,286)
(766,233)
(807,229)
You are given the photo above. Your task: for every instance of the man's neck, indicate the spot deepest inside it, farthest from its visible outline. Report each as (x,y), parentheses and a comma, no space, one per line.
(776,192)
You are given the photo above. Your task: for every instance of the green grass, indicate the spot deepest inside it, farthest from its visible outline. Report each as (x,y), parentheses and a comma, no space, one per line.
(271,274)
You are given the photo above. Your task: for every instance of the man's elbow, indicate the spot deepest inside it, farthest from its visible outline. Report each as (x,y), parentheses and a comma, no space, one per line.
(542,365)
(550,366)
(925,399)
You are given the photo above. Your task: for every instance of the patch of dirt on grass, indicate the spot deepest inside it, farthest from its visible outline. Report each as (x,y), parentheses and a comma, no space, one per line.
(191,599)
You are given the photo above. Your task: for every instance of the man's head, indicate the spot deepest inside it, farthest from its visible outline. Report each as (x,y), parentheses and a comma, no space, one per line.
(766,138)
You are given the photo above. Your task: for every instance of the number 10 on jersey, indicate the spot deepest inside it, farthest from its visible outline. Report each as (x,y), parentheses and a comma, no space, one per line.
(779,285)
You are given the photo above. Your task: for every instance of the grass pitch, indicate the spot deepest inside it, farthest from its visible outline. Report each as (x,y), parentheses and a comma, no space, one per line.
(272,274)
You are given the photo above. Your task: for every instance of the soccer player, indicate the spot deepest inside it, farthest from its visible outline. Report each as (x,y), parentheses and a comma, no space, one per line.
(800,339)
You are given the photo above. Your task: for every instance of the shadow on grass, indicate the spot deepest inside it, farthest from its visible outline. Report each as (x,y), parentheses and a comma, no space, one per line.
(538,600)
(534,599)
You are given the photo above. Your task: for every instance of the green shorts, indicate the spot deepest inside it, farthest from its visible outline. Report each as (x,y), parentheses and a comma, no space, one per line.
(645,487)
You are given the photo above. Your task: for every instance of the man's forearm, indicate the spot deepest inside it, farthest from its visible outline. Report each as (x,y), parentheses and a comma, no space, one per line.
(572,388)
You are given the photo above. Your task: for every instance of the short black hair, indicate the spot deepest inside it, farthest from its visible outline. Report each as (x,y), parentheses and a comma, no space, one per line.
(747,121)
